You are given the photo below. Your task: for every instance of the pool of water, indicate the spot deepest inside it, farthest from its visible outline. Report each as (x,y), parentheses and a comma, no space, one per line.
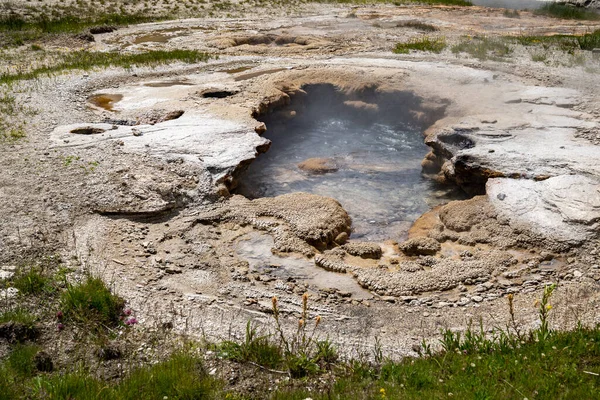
(373,157)
(512,4)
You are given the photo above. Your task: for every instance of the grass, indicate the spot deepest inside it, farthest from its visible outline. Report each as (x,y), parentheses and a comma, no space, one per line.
(18,315)
(426,43)
(181,376)
(85,60)
(32,281)
(511,13)
(567,43)
(422,26)
(17,30)
(255,348)
(550,369)
(483,48)
(563,11)
(91,303)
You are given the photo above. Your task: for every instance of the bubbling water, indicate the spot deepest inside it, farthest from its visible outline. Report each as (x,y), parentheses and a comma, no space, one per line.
(372,146)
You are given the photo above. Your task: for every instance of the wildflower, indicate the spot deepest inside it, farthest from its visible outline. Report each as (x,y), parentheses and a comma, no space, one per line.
(131,321)
(317,320)
(473,365)
(549,307)
(543,355)
(274,301)
(300,323)
(382,391)
(60,326)
(450,394)
(127,311)
(59,315)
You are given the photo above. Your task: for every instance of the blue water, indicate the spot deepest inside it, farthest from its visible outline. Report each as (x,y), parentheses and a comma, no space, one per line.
(378,182)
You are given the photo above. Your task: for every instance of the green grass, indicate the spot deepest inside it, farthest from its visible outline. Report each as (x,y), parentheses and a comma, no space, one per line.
(91,303)
(17,30)
(463,3)
(567,12)
(434,45)
(567,43)
(19,315)
(32,281)
(85,60)
(422,26)
(483,48)
(255,348)
(180,376)
(550,369)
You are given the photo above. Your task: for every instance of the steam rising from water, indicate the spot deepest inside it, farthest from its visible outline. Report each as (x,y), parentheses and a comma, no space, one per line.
(377,154)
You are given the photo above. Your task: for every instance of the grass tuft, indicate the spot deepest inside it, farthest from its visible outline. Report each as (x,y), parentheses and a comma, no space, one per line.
(483,48)
(91,303)
(426,43)
(564,11)
(18,315)
(32,281)
(85,60)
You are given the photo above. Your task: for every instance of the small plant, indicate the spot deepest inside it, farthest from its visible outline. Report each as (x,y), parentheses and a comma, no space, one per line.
(32,281)
(91,302)
(539,56)
(20,316)
(483,48)
(544,311)
(511,14)
(422,26)
(426,43)
(255,348)
(299,349)
(21,360)
(564,11)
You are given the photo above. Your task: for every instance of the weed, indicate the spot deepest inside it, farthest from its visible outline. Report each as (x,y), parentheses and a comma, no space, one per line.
(92,303)
(539,57)
(483,48)
(544,310)
(299,349)
(564,11)
(434,45)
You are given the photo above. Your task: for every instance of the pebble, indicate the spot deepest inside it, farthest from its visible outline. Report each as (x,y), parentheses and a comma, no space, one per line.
(477,299)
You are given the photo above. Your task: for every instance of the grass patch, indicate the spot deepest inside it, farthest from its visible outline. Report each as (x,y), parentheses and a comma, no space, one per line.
(483,48)
(92,303)
(85,60)
(18,315)
(255,348)
(422,26)
(567,43)
(434,45)
(181,376)
(551,368)
(511,13)
(21,360)
(17,30)
(32,281)
(564,11)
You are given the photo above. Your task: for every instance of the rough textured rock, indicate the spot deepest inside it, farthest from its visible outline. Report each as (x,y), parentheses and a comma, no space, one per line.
(363,249)
(297,220)
(421,246)
(565,208)
(318,165)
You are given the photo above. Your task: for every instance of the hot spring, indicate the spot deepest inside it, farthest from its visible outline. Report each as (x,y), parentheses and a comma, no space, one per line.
(363,149)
